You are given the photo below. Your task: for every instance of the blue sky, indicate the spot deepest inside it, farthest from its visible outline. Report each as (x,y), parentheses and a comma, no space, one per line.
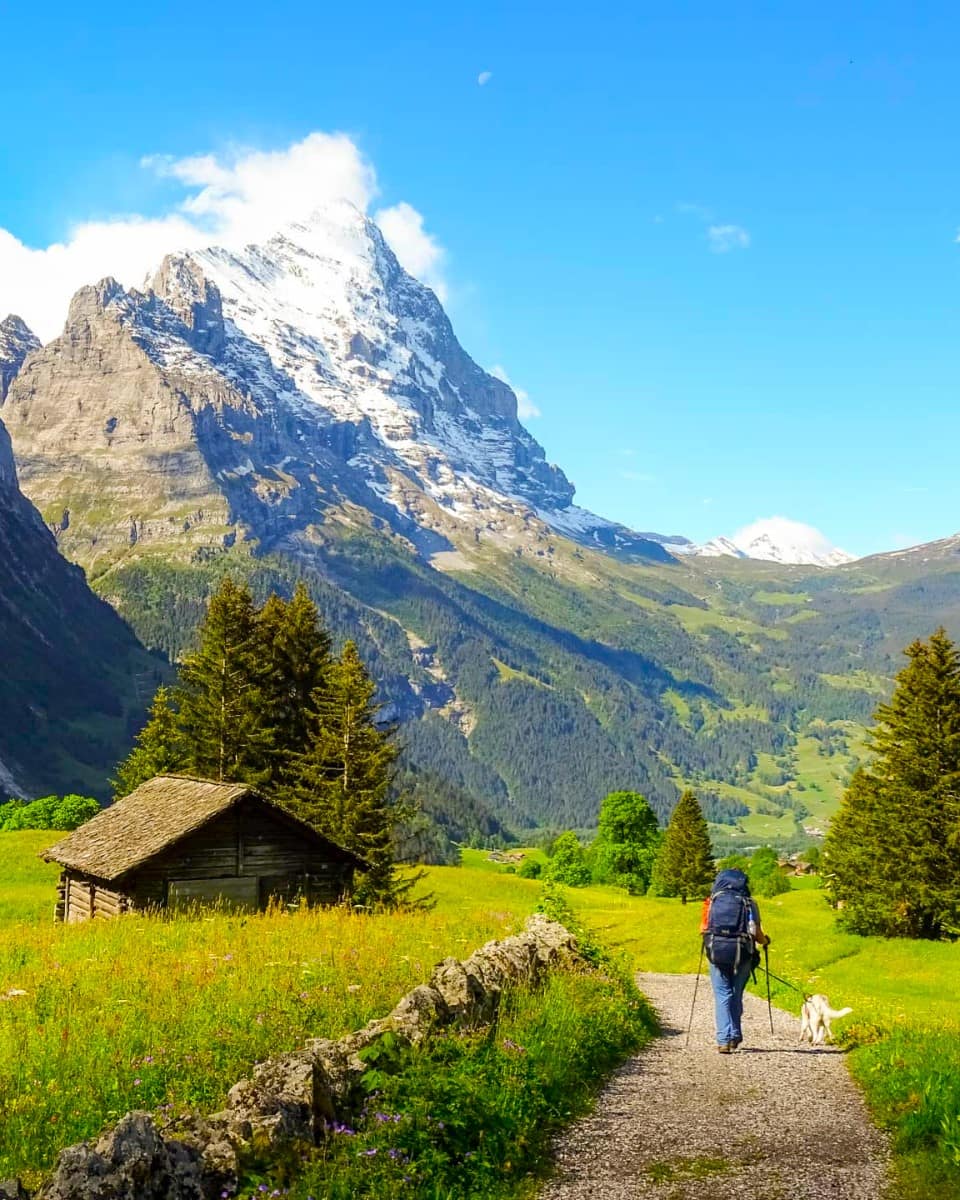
(717,248)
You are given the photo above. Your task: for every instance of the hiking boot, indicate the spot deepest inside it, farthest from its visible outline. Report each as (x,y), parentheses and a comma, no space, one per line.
(724,1047)
(735,1044)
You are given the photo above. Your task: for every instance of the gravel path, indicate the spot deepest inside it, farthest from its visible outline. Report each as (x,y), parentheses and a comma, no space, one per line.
(770,1122)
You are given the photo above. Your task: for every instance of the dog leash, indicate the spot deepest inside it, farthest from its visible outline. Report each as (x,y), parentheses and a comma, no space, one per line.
(786,982)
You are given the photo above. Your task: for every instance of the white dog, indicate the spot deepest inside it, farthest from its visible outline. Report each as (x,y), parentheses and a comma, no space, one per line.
(815,1018)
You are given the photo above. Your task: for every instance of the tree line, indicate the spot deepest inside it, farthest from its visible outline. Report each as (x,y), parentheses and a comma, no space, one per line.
(264,700)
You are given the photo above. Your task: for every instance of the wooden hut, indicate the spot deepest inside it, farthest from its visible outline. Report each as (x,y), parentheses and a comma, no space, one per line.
(178,841)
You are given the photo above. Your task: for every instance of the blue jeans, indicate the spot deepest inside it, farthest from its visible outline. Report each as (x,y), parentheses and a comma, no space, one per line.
(728,1001)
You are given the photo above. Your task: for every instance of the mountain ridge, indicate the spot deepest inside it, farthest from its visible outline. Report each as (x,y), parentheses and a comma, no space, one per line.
(777,539)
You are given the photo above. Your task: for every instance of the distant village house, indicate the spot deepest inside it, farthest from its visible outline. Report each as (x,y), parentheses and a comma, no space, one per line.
(177,842)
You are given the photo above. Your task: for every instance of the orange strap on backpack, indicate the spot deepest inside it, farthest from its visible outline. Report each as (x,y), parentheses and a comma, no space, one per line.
(705,915)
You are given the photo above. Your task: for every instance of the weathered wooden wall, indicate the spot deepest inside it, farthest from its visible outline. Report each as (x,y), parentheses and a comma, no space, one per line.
(85,898)
(247,842)
(245,858)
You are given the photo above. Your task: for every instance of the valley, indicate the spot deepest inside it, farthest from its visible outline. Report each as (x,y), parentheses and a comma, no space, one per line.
(302,411)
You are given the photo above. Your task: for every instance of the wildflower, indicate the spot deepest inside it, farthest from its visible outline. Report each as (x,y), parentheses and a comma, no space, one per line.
(367,1153)
(137,1082)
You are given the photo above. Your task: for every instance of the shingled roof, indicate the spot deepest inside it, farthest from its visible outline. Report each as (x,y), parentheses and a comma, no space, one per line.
(154,816)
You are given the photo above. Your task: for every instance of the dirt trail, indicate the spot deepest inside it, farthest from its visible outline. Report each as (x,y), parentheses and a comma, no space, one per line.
(773,1121)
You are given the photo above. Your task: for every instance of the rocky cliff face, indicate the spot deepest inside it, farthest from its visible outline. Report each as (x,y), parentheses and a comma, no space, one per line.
(242,396)
(16,341)
(68,685)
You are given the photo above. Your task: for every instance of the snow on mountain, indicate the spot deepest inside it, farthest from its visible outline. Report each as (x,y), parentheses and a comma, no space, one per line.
(252,390)
(720,547)
(777,539)
(16,342)
(357,341)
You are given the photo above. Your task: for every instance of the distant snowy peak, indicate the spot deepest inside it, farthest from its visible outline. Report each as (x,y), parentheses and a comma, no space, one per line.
(719,547)
(776,539)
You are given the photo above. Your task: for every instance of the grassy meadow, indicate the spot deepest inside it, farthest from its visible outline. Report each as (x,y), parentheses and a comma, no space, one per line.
(150,1013)
(100,1018)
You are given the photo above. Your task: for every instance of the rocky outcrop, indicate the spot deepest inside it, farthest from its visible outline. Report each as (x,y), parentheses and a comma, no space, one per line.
(243,395)
(17,340)
(67,657)
(295,1098)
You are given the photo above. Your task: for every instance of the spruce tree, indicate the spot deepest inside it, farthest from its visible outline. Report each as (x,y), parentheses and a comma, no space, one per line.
(160,748)
(890,860)
(220,697)
(684,866)
(343,779)
(295,665)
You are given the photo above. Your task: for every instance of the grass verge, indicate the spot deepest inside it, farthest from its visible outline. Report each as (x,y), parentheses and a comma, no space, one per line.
(471,1116)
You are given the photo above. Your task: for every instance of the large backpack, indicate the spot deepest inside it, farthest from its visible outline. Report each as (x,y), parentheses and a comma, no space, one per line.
(728,941)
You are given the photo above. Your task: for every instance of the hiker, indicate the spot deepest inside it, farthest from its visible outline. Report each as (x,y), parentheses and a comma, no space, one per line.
(731,934)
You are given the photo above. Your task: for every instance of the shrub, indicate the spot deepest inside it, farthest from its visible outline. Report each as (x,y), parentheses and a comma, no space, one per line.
(50,812)
(530,868)
(569,863)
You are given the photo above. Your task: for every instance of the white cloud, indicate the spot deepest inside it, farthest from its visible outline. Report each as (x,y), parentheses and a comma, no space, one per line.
(724,238)
(525,406)
(418,251)
(484,78)
(240,196)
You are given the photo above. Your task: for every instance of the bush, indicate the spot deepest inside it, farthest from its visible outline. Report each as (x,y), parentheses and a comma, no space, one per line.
(766,877)
(569,863)
(530,868)
(50,812)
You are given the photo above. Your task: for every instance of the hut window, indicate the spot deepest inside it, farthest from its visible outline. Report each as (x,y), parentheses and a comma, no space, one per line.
(229,893)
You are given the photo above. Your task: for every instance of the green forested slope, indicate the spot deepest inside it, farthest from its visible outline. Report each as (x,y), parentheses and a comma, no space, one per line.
(528,688)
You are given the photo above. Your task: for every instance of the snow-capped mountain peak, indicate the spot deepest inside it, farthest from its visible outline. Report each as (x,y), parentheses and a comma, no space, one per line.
(777,539)
(277,382)
(17,340)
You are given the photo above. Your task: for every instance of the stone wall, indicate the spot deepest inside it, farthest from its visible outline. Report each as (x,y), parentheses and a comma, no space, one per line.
(291,1100)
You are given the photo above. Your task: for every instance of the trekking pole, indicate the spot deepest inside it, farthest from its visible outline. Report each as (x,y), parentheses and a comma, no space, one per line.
(766,971)
(686,1041)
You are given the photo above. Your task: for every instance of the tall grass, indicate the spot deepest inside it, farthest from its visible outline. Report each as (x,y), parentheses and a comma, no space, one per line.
(107,1016)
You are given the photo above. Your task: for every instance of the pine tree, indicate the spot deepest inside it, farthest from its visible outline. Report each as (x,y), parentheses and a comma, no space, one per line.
(295,665)
(890,859)
(220,697)
(684,866)
(343,779)
(160,748)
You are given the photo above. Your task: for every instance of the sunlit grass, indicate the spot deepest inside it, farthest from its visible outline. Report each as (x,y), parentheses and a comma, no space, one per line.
(167,1014)
(145,1012)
